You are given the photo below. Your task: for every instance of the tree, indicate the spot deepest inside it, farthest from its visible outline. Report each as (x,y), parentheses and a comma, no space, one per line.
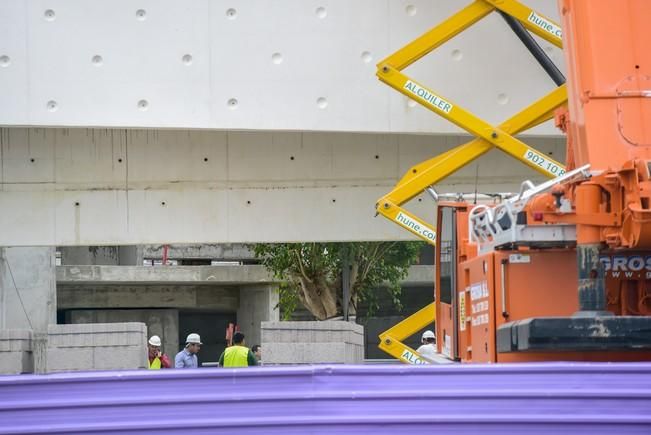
(311,272)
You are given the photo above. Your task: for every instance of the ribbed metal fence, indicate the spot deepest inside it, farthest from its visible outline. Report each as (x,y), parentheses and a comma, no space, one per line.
(572,398)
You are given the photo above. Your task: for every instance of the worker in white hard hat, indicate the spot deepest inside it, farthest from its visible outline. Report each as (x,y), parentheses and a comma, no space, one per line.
(428,349)
(157,359)
(187,358)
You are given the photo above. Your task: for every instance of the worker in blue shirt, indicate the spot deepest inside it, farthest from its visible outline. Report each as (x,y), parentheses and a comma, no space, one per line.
(187,358)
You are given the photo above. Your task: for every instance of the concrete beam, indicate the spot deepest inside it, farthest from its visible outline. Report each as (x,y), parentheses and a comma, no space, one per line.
(87,296)
(85,187)
(168,275)
(225,251)
(195,275)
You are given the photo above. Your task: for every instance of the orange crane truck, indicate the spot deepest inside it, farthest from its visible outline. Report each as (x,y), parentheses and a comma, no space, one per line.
(562,270)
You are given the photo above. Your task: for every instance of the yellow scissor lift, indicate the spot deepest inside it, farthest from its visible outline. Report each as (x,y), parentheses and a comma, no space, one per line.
(426,174)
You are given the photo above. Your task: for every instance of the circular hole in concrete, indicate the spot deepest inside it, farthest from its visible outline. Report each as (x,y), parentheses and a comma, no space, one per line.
(52,106)
(4,61)
(502,99)
(50,15)
(141,15)
(456,54)
(143,105)
(232,103)
(411,10)
(277,58)
(97,60)
(366,56)
(321,12)
(187,59)
(231,14)
(322,103)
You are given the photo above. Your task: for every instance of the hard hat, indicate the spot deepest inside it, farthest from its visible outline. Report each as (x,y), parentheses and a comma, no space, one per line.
(193,338)
(154,340)
(428,334)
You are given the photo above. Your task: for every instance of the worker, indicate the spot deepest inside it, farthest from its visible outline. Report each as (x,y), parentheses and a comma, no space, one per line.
(257,352)
(237,355)
(187,358)
(428,349)
(157,359)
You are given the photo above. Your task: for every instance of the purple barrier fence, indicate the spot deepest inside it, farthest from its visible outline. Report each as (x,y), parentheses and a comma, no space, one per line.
(529,398)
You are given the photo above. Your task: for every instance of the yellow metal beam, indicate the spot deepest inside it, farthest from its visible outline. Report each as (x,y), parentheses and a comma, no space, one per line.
(434,170)
(471,123)
(430,172)
(391,340)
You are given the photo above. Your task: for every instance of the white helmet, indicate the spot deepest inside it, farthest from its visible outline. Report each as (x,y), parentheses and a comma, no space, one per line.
(155,340)
(193,338)
(428,334)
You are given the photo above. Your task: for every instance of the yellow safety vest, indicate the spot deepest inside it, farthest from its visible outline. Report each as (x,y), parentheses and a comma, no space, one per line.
(236,356)
(155,364)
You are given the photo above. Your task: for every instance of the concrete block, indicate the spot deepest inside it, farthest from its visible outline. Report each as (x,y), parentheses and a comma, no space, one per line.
(119,358)
(101,346)
(312,342)
(69,359)
(15,340)
(16,351)
(13,363)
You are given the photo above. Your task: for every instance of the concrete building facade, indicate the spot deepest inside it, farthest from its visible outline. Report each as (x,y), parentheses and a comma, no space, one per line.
(208,123)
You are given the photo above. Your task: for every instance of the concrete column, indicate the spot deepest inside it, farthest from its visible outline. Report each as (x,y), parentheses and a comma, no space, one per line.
(27,288)
(257,305)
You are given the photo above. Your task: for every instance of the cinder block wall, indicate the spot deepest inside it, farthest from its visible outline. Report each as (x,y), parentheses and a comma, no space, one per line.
(16,351)
(96,346)
(312,342)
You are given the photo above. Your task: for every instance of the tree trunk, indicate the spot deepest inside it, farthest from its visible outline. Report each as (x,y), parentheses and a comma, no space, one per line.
(319,298)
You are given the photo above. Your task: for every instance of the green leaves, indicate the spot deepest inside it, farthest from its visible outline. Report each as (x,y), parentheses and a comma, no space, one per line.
(310,271)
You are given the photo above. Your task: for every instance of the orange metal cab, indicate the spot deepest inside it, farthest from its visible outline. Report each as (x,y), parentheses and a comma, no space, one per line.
(476,294)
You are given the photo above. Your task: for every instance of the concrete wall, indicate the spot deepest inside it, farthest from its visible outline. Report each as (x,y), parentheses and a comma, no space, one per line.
(224,65)
(312,342)
(100,346)
(16,351)
(257,305)
(164,323)
(27,288)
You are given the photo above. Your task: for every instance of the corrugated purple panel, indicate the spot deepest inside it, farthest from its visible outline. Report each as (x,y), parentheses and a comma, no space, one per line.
(572,398)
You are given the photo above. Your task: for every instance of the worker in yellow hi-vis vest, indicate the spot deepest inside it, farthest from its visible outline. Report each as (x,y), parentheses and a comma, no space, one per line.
(157,359)
(238,355)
